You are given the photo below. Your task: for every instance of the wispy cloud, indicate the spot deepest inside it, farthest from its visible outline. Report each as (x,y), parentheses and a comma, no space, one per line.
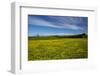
(60,34)
(62,23)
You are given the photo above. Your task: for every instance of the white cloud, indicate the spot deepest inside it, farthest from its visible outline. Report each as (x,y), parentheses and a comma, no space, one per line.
(60,34)
(41,22)
(62,25)
(74,27)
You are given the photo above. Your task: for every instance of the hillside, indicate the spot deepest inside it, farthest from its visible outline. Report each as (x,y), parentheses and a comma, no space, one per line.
(83,35)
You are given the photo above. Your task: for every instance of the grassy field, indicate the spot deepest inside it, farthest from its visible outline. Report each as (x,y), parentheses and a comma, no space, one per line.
(63,48)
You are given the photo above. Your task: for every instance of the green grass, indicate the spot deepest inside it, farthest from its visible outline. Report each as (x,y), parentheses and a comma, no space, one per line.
(63,48)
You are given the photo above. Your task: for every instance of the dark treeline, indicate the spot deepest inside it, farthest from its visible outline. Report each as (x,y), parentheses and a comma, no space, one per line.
(58,36)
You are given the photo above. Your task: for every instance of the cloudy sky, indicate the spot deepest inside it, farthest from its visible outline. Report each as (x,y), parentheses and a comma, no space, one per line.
(56,25)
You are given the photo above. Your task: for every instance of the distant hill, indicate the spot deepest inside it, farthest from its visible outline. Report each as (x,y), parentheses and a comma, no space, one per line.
(83,35)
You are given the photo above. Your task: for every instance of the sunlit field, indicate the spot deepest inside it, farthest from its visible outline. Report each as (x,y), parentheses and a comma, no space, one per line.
(58,48)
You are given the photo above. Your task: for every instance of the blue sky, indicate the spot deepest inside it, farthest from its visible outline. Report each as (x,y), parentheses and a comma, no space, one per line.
(56,25)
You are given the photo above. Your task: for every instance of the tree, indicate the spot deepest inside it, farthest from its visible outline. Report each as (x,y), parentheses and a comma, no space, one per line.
(38,36)
(84,35)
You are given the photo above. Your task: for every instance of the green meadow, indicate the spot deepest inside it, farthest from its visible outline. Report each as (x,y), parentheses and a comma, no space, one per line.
(57,48)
